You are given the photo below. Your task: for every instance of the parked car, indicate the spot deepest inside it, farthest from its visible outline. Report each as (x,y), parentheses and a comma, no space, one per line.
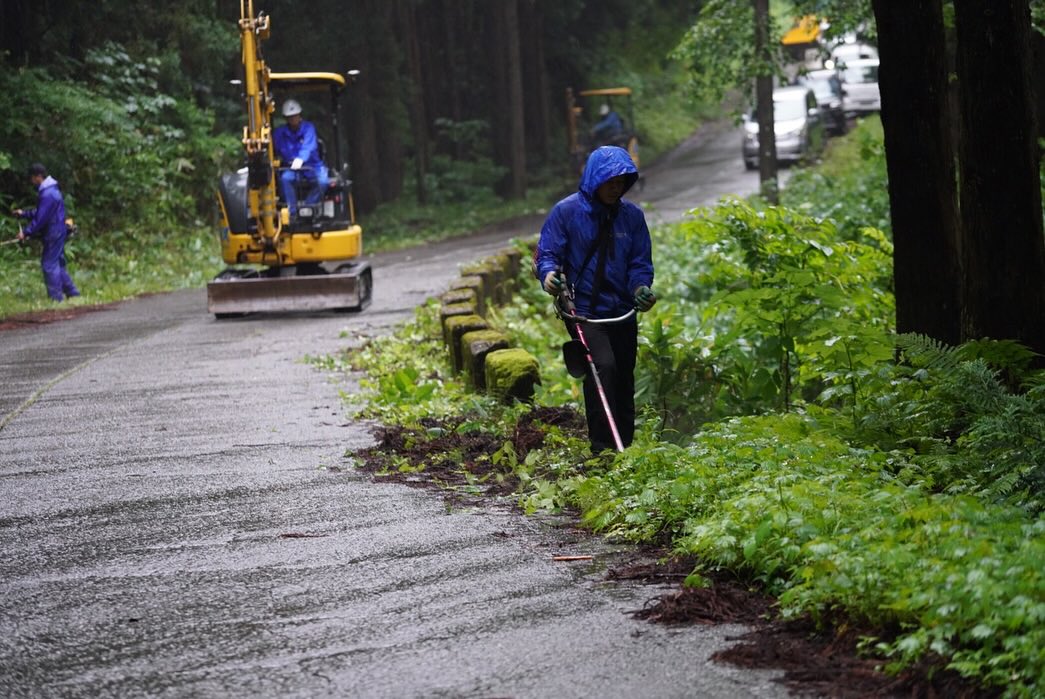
(827,86)
(843,54)
(860,80)
(798,125)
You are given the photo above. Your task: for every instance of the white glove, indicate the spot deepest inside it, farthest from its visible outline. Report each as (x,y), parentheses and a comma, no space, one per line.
(296,165)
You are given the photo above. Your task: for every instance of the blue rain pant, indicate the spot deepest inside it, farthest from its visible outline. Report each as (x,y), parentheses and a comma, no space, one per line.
(289,180)
(52,262)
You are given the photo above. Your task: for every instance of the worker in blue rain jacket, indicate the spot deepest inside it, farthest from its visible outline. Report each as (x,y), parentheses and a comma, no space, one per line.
(608,128)
(598,243)
(298,147)
(47,223)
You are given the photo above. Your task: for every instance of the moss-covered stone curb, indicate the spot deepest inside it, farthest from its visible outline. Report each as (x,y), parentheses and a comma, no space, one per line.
(466,295)
(505,278)
(475,283)
(475,345)
(491,277)
(514,258)
(470,341)
(453,310)
(512,374)
(455,328)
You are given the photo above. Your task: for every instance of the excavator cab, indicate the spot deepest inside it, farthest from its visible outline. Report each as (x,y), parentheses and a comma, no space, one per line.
(279,262)
(599,117)
(336,201)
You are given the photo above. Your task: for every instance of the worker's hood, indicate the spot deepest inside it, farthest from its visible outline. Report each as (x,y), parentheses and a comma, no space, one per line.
(48,182)
(605,163)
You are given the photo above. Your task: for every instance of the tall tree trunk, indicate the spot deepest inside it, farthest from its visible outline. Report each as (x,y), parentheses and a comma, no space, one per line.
(362,127)
(1037,45)
(418,116)
(535,80)
(15,33)
(1003,253)
(386,92)
(451,16)
(920,161)
(500,105)
(767,163)
(516,122)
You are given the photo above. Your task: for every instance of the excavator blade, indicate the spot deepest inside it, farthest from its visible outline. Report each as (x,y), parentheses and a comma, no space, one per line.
(320,292)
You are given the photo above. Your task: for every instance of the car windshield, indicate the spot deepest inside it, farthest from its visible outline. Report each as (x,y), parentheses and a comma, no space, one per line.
(862,74)
(822,88)
(785,110)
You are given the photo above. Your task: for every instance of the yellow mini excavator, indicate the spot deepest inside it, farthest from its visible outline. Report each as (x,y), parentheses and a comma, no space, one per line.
(307,262)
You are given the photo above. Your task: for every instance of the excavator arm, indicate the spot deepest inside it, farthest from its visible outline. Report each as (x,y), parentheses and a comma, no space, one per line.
(257,133)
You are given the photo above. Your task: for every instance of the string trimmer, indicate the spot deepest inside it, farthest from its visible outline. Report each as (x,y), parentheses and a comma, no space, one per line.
(577,355)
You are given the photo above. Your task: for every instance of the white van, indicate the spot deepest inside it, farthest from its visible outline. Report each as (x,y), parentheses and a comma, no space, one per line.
(860,79)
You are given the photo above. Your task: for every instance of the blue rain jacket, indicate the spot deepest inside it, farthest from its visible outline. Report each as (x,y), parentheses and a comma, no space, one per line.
(302,143)
(47,220)
(572,226)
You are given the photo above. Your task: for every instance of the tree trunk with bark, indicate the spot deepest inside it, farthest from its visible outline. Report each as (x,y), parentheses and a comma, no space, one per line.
(535,79)
(1003,252)
(386,94)
(767,162)
(516,122)
(418,117)
(364,161)
(920,162)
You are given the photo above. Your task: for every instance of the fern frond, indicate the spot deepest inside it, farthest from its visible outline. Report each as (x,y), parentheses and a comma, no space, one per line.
(928,353)
(1007,356)
(1034,380)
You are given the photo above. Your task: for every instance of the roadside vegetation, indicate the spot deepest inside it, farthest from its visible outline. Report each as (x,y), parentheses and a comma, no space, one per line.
(779,437)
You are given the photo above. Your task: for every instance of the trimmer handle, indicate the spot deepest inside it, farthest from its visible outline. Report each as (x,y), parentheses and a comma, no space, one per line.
(565,297)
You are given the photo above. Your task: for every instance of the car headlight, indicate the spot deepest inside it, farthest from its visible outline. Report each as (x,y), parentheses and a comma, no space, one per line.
(793,133)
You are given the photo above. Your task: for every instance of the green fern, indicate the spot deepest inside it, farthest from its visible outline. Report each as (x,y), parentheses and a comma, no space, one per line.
(928,353)
(973,416)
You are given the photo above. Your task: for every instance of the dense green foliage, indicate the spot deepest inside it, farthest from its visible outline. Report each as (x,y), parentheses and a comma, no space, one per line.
(780,438)
(136,166)
(851,187)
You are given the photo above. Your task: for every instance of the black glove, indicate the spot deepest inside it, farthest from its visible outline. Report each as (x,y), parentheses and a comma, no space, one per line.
(554,283)
(644,298)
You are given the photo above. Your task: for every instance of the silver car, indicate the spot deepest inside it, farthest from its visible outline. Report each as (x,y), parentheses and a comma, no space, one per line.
(799,127)
(827,85)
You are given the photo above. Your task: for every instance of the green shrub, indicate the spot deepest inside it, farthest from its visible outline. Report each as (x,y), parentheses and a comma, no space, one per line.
(850,187)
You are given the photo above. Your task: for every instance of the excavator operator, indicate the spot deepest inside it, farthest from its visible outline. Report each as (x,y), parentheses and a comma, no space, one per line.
(297,144)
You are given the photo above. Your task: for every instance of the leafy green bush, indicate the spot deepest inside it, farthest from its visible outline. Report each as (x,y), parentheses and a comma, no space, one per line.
(850,187)
(137,168)
(771,308)
(972,417)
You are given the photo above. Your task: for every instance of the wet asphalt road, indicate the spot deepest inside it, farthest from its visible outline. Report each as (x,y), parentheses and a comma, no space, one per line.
(152,461)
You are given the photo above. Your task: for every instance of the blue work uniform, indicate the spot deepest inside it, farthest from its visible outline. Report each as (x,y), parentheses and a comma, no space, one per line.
(47,222)
(570,242)
(302,143)
(608,128)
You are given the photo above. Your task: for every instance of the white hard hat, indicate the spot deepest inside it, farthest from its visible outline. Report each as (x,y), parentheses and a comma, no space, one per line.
(604,109)
(290,108)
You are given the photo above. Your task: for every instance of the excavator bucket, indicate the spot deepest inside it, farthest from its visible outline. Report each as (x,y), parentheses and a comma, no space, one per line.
(320,292)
